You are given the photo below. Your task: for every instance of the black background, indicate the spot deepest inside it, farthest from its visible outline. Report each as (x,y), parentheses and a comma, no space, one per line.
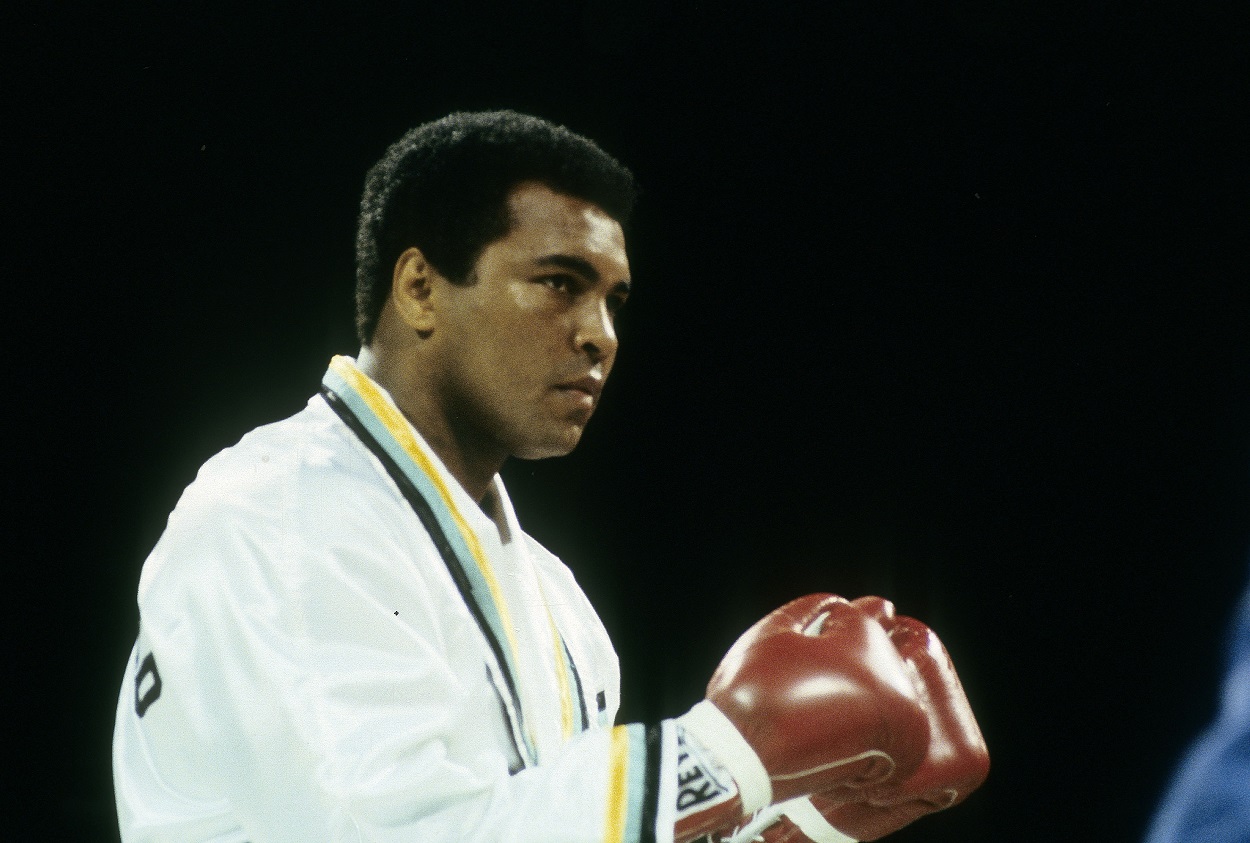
(935,300)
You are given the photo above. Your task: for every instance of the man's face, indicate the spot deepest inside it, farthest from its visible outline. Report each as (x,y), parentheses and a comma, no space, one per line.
(528,344)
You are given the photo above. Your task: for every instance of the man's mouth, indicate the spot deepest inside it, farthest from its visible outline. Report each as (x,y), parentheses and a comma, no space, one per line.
(585,390)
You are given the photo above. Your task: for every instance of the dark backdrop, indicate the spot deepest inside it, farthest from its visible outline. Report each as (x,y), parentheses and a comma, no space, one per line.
(934,300)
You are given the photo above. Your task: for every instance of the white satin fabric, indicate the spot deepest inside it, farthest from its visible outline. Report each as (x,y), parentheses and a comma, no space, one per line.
(321,678)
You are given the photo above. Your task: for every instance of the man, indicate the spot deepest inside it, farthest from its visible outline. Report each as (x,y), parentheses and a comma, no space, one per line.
(346,635)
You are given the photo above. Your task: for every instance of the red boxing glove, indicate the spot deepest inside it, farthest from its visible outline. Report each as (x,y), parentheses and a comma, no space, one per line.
(814,697)
(956,764)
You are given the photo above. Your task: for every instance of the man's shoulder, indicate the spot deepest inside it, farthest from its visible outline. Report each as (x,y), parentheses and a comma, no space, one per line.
(311,443)
(288,472)
(298,486)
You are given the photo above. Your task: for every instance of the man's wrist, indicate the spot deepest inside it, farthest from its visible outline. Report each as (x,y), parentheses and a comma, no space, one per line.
(707,725)
(707,797)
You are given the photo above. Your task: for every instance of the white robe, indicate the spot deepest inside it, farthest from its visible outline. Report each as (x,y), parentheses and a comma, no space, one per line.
(307,668)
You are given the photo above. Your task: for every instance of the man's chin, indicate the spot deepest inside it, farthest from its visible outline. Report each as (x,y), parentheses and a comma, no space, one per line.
(557,446)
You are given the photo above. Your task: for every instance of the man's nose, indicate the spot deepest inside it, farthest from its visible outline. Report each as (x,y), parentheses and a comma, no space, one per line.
(596,333)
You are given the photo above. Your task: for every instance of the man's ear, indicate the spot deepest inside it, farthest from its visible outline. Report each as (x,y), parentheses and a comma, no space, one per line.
(412,283)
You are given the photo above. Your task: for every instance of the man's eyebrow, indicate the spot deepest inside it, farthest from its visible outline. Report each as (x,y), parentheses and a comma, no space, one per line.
(581,266)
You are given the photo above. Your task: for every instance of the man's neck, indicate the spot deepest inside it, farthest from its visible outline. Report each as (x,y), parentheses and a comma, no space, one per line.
(471,467)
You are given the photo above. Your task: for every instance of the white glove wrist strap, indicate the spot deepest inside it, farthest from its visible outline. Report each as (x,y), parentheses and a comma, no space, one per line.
(710,727)
(811,822)
(802,813)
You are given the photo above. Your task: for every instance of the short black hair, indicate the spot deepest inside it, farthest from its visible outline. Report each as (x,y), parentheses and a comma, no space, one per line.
(443,187)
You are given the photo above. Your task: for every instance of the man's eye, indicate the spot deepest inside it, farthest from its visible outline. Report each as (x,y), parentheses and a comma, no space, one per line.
(559,283)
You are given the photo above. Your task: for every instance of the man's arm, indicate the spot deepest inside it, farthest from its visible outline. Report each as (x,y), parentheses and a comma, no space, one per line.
(293,696)
(290,691)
